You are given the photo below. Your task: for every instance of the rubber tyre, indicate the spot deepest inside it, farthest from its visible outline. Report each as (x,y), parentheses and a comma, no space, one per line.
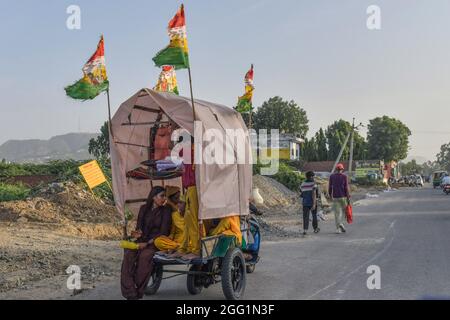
(251,268)
(192,287)
(233,274)
(155,281)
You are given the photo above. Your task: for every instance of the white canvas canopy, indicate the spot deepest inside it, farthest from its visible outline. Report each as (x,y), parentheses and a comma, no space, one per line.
(223,189)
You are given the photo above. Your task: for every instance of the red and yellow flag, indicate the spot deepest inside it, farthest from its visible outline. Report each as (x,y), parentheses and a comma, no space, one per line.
(245,102)
(94,78)
(176,53)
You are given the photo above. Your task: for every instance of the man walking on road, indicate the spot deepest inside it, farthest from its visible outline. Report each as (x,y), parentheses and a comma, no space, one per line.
(340,196)
(309,194)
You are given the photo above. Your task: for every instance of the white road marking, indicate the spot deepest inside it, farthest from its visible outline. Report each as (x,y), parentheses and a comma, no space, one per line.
(391,227)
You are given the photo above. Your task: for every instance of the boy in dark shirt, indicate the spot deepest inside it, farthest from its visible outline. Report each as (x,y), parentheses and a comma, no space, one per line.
(309,193)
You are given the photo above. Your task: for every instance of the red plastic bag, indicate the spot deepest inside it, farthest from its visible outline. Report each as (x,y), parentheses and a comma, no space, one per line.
(349,213)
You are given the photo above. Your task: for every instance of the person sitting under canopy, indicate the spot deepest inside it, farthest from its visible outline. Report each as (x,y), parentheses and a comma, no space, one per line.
(173,241)
(154,221)
(230,226)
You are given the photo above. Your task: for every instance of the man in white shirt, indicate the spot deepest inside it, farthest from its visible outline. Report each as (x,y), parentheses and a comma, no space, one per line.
(445,180)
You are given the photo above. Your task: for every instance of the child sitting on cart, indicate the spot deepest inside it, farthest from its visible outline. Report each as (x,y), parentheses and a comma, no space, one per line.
(173,241)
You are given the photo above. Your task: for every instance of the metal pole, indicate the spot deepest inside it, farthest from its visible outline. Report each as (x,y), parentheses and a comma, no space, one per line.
(340,152)
(192,95)
(125,231)
(200,221)
(350,161)
(109,114)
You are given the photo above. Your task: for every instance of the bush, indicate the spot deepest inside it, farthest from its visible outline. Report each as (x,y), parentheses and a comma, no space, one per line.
(365,181)
(257,168)
(286,175)
(65,170)
(289,177)
(10,192)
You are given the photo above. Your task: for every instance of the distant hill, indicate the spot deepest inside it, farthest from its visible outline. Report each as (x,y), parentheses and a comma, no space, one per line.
(68,146)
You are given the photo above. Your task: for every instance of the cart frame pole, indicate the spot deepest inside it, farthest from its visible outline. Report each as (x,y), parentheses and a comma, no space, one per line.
(194,117)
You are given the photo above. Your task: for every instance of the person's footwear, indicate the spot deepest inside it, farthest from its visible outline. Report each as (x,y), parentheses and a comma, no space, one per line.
(305,233)
(338,231)
(341,226)
(317,230)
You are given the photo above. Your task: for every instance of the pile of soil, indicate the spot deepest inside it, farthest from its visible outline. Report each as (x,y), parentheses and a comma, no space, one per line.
(67,207)
(280,211)
(277,198)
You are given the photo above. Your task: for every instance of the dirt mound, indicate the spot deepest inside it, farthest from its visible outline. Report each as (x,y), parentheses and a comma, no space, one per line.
(68,207)
(277,198)
(99,231)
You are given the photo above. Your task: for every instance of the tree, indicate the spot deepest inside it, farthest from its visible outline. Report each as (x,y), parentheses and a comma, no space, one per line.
(430,166)
(336,134)
(443,157)
(388,139)
(286,116)
(99,147)
(310,150)
(246,118)
(322,149)
(411,168)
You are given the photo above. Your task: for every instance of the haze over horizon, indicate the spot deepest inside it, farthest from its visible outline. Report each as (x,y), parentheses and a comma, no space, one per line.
(317,53)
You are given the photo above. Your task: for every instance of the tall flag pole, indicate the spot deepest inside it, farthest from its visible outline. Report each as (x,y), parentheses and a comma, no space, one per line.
(94,81)
(176,54)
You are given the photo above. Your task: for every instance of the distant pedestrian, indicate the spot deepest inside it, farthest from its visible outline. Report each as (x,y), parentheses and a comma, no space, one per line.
(309,193)
(340,196)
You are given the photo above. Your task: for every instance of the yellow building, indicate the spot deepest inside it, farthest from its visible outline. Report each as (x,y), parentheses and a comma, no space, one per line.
(288,147)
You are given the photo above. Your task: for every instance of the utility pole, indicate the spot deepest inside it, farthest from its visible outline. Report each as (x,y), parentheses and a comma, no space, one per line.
(340,152)
(352,135)
(350,160)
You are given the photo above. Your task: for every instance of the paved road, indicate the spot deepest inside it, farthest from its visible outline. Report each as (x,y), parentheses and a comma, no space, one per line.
(406,233)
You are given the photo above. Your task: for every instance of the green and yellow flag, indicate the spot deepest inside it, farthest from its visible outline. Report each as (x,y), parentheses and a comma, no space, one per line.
(244,104)
(94,80)
(176,54)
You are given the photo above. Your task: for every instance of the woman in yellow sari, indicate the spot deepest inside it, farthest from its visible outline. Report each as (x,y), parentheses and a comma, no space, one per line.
(173,241)
(230,226)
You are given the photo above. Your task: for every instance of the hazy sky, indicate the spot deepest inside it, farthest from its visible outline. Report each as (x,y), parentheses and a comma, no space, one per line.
(316,52)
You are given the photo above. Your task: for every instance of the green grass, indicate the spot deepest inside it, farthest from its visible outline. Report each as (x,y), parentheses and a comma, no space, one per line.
(64,170)
(10,192)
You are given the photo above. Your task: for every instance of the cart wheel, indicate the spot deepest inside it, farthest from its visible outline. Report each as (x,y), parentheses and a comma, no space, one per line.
(251,268)
(193,285)
(233,274)
(155,280)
